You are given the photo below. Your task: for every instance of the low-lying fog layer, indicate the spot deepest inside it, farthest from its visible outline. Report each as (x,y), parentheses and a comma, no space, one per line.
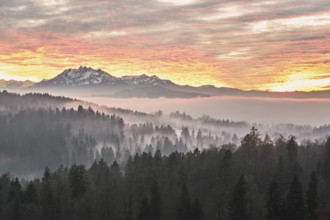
(39,130)
(254,110)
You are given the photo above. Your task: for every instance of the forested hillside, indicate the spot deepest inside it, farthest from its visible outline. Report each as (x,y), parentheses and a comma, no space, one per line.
(38,130)
(107,163)
(262,179)
(13,101)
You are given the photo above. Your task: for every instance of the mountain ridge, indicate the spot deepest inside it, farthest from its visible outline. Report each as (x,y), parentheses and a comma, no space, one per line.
(88,76)
(87,81)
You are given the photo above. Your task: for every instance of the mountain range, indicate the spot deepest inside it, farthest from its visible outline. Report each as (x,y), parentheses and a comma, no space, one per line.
(13,84)
(86,81)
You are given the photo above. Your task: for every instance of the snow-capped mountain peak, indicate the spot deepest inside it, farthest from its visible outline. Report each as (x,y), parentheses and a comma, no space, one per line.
(82,76)
(145,80)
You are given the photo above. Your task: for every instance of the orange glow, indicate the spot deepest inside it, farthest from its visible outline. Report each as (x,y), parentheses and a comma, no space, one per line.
(224,43)
(181,65)
(45,63)
(314,80)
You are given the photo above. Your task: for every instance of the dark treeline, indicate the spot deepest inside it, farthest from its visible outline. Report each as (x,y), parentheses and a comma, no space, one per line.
(32,139)
(173,167)
(14,101)
(262,179)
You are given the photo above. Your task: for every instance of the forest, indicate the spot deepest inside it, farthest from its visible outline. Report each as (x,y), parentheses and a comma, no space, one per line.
(262,179)
(65,162)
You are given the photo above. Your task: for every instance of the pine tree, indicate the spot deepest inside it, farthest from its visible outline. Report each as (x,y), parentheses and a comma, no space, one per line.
(183,210)
(312,198)
(238,203)
(292,148)
(155,203)
(275,201)
(47,198)
(78,180)
(326,165)
(30,195)
(128,208)
(144,210)
(295,201)
(197,213)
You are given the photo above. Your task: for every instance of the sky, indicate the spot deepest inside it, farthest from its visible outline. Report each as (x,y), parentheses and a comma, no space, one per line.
(280,45)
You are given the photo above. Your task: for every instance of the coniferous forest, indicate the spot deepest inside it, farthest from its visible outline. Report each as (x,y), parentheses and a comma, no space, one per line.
(86,164)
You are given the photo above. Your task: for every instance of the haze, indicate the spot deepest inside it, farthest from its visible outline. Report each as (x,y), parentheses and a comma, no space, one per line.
(253,110)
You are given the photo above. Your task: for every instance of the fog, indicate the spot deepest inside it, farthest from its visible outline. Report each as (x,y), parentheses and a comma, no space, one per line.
(313,112)
(66,131)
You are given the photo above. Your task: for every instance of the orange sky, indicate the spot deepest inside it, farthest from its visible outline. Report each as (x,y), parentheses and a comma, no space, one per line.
(280,45)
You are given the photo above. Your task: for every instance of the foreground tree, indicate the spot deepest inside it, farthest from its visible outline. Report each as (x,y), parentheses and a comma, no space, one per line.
(275,202)
(155,203)
(197,213)
(144,210)
(295,201)
(238,203)
(183,210)
(312,198)
(78,180)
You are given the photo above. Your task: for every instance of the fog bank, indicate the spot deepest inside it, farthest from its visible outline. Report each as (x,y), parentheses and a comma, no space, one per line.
(254,110)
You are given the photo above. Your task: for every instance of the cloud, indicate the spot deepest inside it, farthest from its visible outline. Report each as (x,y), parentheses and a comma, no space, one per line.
(259,41)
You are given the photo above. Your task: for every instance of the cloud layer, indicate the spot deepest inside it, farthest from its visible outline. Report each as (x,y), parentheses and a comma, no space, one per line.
(279,45)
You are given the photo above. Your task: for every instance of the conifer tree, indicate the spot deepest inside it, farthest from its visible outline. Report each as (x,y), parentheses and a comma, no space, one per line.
(78,180)
(197,213)
(275,202)
(312,198)
(295,201)
(183,210)
(155,203)
(144,210)
(238,203)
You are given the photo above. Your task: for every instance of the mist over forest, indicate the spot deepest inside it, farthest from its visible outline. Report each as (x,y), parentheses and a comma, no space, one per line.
(164,110)
(42,130)
(136,165)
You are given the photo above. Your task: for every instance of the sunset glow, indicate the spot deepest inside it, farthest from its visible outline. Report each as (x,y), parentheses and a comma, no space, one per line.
(264,45)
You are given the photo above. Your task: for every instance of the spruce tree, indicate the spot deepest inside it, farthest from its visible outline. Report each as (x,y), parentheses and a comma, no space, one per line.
(144,210)
(78,180)
(155,203)
(295,201)
(238,203)
(275,202)
(30,195)
(183,210)
(312,198)
(292,148)
(197,213)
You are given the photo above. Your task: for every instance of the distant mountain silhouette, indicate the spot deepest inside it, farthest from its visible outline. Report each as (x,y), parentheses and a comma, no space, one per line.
(91,82)
(86,81)
(13,84)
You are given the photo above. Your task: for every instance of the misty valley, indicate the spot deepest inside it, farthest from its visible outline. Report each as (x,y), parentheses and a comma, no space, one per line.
(164,110)
(64,158)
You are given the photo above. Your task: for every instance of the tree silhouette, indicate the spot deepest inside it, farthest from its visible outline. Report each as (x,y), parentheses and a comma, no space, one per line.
(238,203)
(183,209)
(144,210)
(197,213)
(155,203)
(312,198)
(295,201)
(274,206)
(78,180)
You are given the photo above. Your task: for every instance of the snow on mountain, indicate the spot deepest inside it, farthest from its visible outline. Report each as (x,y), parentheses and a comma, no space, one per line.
(82,76)
(145,80)
(88,76)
